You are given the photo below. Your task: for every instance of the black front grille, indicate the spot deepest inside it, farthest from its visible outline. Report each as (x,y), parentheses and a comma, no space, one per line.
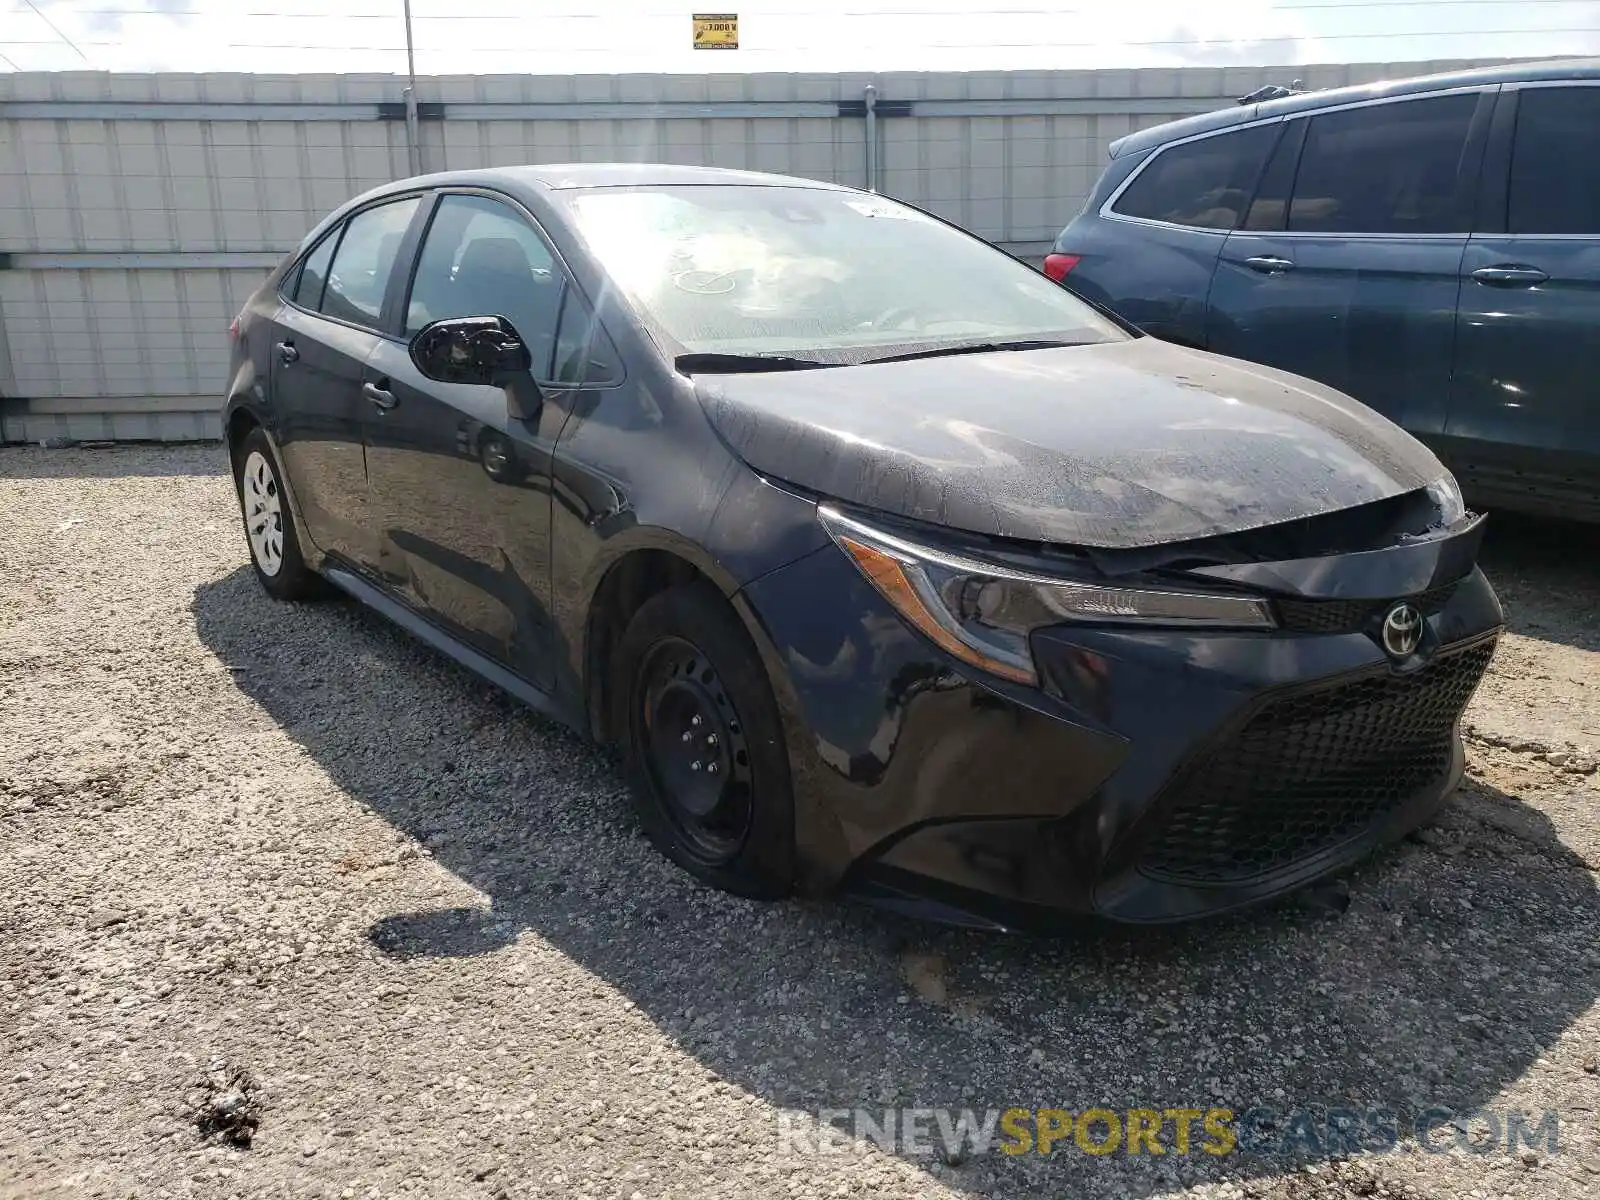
(1313,769)
(1348,616)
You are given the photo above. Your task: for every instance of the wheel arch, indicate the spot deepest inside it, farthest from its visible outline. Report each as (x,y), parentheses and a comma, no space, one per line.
(239,419)
(630,576)
(236,426)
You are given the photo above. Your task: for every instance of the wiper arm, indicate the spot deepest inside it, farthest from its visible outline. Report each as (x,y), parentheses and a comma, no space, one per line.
(712,364)
(978,348)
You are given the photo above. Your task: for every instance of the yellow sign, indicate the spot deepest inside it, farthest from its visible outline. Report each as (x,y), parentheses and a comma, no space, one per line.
(716,31)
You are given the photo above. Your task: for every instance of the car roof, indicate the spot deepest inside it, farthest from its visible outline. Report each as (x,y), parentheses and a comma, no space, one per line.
(570,176)
(1524,72)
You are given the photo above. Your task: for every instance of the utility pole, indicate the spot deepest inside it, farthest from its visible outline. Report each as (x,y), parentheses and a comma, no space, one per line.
(413,136)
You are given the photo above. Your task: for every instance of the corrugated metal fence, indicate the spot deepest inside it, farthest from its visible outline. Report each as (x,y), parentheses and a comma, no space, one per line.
(138,211)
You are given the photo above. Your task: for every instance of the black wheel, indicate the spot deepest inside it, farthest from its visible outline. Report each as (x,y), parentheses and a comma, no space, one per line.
(269,525)
(703,745)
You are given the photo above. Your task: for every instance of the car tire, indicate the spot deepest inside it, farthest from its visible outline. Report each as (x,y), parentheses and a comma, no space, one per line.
(703,744)
(270,528)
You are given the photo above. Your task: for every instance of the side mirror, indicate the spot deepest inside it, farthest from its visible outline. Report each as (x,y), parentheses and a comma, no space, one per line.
(481,350)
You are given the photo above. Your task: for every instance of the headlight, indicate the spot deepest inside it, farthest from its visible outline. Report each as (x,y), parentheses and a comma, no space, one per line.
(983,612)
(1445,493)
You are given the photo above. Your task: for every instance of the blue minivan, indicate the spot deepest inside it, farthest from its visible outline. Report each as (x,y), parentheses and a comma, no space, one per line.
(1429,246)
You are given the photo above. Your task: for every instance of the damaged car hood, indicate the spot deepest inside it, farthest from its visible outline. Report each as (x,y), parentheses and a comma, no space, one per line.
(1118,445)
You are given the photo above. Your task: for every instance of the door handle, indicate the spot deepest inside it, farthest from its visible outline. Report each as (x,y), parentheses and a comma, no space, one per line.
(287,353)
(382,397)
(1510,275)
(1269,264)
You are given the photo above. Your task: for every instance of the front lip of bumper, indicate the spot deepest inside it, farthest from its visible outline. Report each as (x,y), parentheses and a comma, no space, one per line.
(890,741)
(1129,897)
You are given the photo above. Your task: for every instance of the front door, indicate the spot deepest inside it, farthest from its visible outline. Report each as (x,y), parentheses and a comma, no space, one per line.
(1525,415)
(460,485)
(1348,273)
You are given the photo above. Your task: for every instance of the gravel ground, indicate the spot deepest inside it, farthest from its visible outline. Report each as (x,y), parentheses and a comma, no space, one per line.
(293,907)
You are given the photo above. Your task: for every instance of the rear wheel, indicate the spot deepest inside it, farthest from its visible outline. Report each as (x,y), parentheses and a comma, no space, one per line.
(269,525)
(703,744)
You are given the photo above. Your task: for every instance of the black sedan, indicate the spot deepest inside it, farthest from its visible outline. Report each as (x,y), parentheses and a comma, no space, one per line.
(888,565)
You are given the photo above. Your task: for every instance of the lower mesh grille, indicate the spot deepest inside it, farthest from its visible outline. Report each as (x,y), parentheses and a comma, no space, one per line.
(1313,769)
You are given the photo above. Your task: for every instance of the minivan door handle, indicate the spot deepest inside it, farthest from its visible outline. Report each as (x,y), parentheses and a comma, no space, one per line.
(287,354)
(1269,264)
(1510,275)
(382,397)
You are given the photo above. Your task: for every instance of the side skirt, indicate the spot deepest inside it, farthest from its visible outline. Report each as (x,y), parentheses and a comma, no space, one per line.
(479,664)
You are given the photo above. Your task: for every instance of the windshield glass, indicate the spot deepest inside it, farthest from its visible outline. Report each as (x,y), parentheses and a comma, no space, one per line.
(786,270)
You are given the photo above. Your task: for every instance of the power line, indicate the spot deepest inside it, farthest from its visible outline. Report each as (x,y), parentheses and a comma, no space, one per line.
(57,32)
(9,63)
(966,44)
(967,13)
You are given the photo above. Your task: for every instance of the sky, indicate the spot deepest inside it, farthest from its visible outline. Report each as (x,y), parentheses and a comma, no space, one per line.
(571,36)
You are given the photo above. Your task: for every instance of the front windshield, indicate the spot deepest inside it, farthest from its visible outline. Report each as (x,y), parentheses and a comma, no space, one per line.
(756,270)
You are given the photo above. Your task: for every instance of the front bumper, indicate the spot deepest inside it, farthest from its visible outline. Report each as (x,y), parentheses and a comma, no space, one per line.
(1157,775)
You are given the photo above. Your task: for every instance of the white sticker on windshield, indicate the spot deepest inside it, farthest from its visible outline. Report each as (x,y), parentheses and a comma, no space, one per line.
(877,208)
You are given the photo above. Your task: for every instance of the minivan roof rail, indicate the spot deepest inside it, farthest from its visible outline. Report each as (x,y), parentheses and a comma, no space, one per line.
(1273,91)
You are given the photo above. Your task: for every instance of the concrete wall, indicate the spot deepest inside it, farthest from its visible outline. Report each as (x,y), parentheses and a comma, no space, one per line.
(138,211)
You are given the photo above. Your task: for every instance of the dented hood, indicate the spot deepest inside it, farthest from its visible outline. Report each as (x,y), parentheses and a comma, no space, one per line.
(1116,446)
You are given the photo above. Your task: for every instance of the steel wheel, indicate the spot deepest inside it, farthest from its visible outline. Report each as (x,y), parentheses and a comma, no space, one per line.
(696,752)
(263,512)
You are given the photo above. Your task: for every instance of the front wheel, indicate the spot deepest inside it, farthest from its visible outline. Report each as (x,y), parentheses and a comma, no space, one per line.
(269,525)
(703,743)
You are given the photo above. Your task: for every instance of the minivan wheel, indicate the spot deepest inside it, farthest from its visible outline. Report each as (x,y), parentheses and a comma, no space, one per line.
(703,746)
(269,525)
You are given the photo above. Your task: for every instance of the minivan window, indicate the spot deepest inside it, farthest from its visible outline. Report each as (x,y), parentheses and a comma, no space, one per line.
(1555,182)
(1385,168)
(314,273)
(480,259)
(743,269)
(362,264)
(1270,208)
(1206,183)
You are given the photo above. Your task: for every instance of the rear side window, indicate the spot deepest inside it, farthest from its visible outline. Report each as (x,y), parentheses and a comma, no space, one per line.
(314,273)
(1206,183)
(1555,174)
(1385,168)
(362,264)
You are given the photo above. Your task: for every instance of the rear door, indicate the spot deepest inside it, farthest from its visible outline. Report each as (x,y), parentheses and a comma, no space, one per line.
(1524,425)
(322,338)
(1347,264)
(1150,252)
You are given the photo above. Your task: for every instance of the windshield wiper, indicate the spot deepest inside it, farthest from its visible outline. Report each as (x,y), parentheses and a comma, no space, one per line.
(974,348)
(730,364)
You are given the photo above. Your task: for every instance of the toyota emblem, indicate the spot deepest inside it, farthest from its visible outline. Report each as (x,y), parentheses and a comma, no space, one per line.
(1402,631)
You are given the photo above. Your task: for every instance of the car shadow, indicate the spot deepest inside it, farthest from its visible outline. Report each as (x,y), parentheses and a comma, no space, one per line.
(1437,975)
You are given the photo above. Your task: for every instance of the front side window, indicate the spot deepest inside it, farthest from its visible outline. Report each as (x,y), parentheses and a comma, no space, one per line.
(1205,184)
(1386,168)
(1555,176)
(584,354)
(740,269)
(362,264)
(480,259)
